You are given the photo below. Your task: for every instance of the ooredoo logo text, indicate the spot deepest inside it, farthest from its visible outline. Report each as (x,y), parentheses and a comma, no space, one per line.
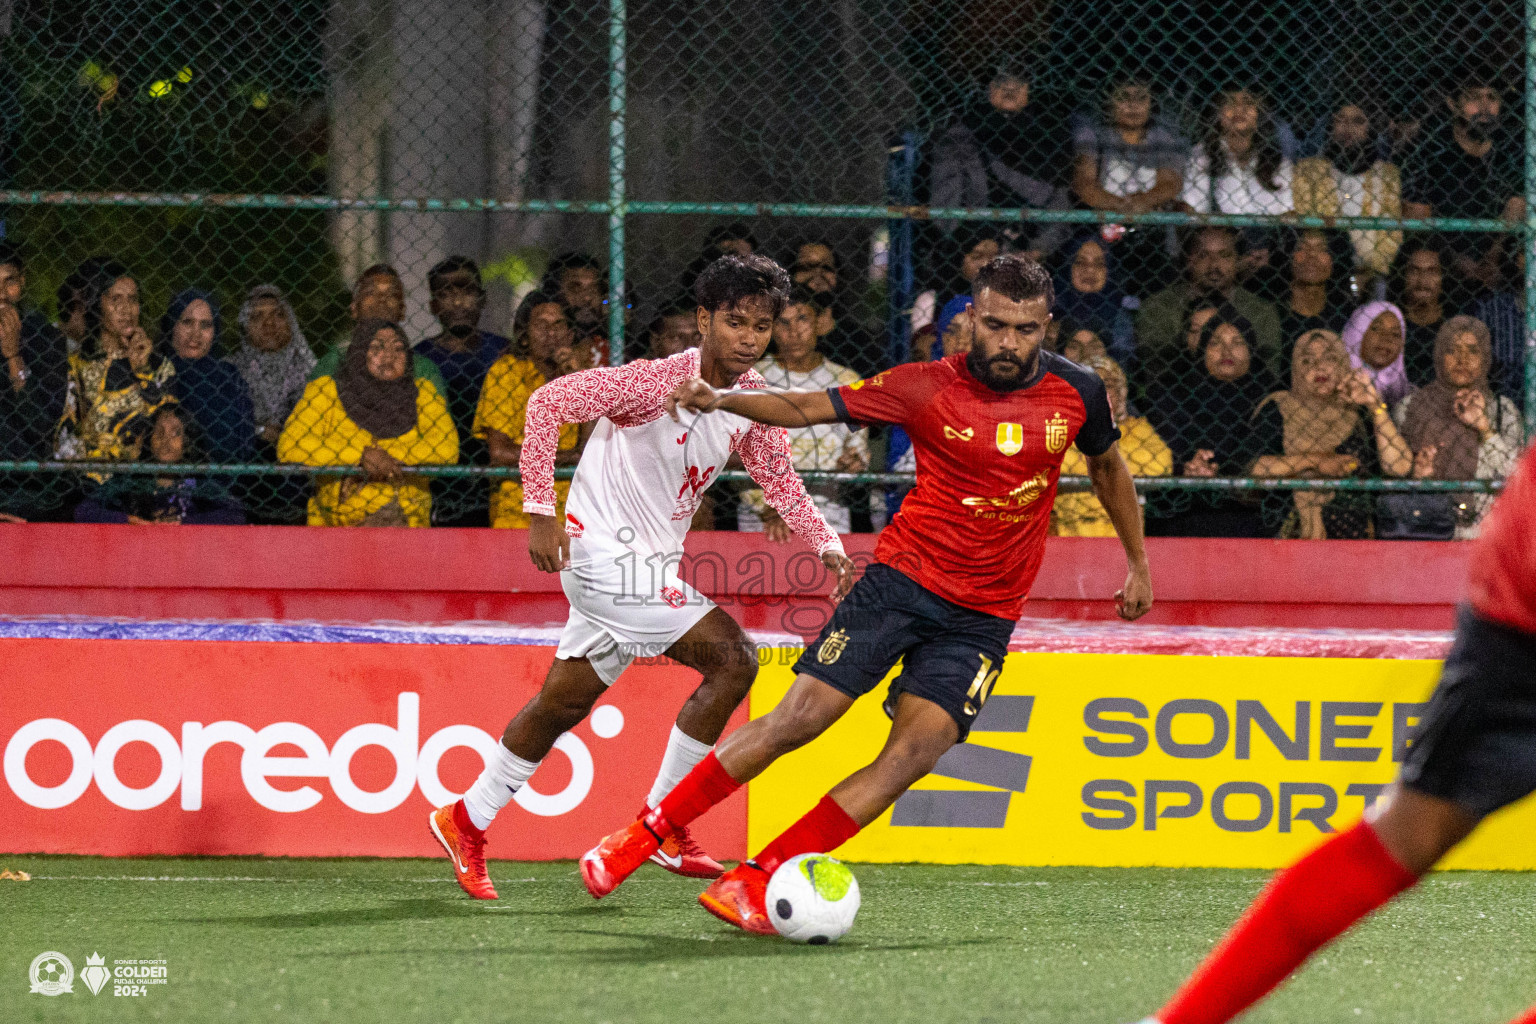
(181,763)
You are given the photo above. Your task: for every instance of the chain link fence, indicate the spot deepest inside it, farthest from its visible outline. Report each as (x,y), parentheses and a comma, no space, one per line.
(1291,238)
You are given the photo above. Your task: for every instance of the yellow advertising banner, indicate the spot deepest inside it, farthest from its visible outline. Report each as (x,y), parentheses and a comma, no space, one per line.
(1139,761)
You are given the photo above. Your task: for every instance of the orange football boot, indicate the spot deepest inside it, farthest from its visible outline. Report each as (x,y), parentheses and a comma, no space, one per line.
(466,848)
(740,897)
(614,859)
(680,855)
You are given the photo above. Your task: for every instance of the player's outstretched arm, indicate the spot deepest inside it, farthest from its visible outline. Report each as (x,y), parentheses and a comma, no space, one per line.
(773,406)
(1117,491)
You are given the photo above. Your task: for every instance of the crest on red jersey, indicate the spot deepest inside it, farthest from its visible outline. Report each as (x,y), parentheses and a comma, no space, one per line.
(1056,430)
(1010,438)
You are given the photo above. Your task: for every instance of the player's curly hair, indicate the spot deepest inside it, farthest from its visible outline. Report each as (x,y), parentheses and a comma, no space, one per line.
(733,279)
(1016,278)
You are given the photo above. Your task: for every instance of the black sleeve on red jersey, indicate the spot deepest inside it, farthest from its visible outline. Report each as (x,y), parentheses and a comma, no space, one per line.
(1099,432)
(840,407)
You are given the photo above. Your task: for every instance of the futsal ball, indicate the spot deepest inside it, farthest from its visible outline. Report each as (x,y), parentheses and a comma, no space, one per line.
(813,898)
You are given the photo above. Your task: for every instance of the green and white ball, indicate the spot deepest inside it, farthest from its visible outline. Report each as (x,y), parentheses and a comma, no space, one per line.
(813,898)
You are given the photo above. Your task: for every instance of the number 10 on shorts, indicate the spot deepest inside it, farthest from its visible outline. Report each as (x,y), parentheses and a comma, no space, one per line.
(981,686)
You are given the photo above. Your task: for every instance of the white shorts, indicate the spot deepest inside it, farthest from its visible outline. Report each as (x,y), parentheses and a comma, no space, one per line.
(613,622)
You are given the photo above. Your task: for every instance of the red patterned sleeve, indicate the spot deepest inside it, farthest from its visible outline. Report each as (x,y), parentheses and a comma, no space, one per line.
(630,394)
(766,455)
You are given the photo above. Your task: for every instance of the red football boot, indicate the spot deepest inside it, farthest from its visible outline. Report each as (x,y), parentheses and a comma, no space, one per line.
(680,855)
(740,897)
(614,859)
(466,848)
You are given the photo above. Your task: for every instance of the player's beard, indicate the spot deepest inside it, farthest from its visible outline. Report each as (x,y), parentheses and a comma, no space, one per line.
(982,371)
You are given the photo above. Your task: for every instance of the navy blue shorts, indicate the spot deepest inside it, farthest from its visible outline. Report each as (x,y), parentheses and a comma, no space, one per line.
(950,655)
(1477,747)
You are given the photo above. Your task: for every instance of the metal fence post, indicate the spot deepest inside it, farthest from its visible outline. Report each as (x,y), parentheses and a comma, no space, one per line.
(1529,241)
(617,53)
(900,167)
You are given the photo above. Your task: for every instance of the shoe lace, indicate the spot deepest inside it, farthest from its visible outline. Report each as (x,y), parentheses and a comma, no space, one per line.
(686,844)
(474,852)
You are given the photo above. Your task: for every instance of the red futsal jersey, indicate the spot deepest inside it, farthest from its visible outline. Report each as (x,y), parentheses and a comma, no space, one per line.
(1502,580)
(973,529)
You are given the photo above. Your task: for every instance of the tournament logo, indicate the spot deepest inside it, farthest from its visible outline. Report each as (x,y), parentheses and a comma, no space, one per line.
(959,435)
(674,597)
(95,974)
(1010,438)
(52,974)
(1056,429)
(832,647)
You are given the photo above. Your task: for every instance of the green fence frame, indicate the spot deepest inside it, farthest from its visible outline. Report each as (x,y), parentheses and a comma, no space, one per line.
(617,208)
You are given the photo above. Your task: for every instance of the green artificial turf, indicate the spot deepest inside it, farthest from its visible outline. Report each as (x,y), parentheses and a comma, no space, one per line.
(372,940)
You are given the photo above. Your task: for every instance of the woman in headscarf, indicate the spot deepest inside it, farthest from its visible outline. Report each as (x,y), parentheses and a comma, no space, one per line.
(1203,408)
(164,500)
(1458,427)
(1088,292)
(1316,429)
(211,391)
(119,381)
(1374,337)
(372,413)
(1082,514)
(274,358)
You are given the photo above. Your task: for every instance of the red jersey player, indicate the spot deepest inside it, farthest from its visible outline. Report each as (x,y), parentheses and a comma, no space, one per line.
(634,494)
(1475,754)
(949,579)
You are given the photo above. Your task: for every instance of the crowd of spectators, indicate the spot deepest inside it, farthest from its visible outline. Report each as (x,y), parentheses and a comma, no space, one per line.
(1404,352)
(1260,352)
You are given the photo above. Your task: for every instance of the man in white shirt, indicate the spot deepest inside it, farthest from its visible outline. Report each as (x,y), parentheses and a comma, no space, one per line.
(797,365)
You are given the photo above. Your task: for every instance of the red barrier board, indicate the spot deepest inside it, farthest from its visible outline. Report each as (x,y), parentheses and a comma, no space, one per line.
(369,575)
(121,747)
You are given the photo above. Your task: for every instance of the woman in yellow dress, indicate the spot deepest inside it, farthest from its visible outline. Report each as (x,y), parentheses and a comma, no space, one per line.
(371,413)
(540,352)
(1081,515)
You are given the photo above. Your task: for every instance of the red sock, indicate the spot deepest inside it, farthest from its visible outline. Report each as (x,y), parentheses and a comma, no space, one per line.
(1302,909)
(1528,1018)
(825,828)
(708,784)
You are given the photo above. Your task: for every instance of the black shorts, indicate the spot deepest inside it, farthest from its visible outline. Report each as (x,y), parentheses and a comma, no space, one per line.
(1478,743)
(950,655)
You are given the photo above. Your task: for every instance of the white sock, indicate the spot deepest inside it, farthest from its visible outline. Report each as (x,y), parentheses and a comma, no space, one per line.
(683,752)
(504,775)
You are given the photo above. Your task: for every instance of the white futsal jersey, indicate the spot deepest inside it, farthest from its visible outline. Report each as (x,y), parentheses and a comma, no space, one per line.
(636,488)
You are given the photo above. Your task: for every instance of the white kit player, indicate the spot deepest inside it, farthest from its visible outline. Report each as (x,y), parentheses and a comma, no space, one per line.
(636,488)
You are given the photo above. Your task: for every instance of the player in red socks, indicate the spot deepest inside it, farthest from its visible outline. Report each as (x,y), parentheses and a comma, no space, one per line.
(948,583)
(1476,754)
